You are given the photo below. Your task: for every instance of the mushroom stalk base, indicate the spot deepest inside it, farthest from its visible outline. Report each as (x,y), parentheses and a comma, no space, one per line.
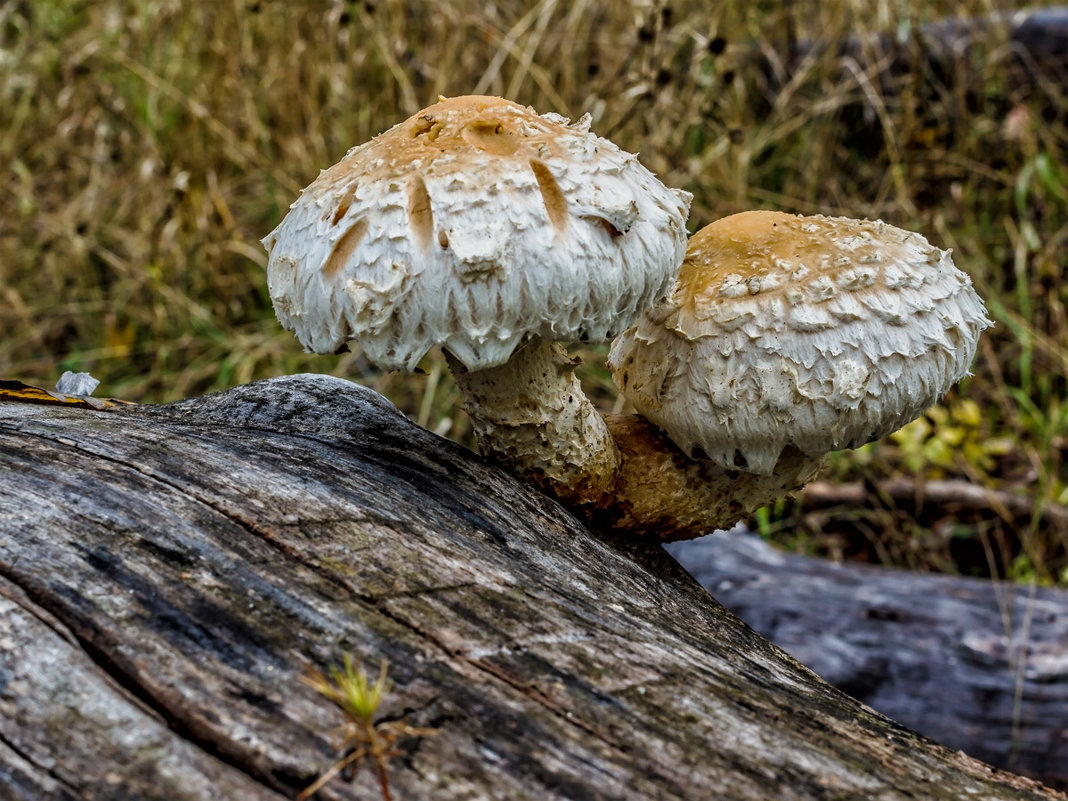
(661,493)
(532,416)
(621,474)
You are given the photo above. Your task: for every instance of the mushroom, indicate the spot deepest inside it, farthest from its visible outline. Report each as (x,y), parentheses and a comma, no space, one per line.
(787,337)
(479,226)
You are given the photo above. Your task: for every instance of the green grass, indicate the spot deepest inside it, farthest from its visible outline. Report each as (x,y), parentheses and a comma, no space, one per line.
(148,146)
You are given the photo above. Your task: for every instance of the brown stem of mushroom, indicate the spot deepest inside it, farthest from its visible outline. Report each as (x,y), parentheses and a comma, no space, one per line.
(662,493)
(531,415)
(620,473)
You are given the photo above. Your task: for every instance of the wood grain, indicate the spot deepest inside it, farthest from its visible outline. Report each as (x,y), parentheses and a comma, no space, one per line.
(169,572)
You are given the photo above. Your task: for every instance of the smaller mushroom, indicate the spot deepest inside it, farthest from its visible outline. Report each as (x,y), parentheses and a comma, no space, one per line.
(788,337)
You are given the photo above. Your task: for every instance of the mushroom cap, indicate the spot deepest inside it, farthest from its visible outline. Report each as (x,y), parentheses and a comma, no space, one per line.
(474,224)
(818,332)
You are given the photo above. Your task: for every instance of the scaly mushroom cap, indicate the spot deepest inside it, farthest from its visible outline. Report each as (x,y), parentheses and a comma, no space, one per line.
(819,332)
(474,224)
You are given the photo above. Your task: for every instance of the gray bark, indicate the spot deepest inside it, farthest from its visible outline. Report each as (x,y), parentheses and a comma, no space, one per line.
(167,574)
(941,62)
(977,665)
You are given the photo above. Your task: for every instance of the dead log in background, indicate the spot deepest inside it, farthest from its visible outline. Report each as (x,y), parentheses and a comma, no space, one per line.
(1028,46)
(166,574)
(977,665)
(940,72)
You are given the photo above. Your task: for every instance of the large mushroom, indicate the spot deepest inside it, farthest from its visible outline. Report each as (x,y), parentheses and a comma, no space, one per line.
(482,227)
(787,337)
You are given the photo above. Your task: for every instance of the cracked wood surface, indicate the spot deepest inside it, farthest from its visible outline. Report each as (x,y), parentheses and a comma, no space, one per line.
(977,665)
(167,573)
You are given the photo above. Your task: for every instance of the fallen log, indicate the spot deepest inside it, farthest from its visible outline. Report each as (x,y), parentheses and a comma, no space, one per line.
(951,495)
(977,665)
(1029,47)
(168,573)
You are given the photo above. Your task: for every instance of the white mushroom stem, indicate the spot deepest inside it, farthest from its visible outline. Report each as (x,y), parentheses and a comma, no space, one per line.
(531,415)
(620,473)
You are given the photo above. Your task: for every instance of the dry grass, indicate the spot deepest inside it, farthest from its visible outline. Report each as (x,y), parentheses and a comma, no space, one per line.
(147,146)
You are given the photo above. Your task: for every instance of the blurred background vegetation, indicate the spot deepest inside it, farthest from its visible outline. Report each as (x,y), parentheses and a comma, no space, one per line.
(147,146)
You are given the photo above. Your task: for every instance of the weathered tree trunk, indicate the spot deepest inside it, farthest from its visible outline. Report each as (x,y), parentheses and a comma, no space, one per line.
(944,63)
(977,665)
(1036,40)
(167,574)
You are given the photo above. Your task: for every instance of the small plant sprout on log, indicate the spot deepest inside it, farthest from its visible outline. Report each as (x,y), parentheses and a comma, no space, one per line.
(482,227)
(789,337)
(358,698)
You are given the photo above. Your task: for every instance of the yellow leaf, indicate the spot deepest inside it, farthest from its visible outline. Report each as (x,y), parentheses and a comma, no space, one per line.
(13,391)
